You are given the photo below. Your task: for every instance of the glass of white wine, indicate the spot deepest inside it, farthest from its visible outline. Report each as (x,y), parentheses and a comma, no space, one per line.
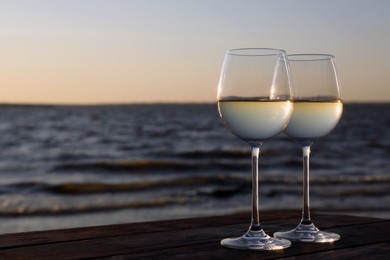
(317,110)
(254,105)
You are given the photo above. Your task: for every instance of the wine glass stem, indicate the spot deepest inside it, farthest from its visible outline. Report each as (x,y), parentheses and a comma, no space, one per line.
(306,177)
(255,224)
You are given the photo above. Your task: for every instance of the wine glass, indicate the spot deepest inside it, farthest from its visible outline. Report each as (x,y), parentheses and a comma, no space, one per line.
(254,104)
(317,110)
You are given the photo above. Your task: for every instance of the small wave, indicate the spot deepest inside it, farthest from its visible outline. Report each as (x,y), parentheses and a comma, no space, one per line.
(352,179)
(81,209)
(87,188)
(219,154)
(227,182)
(327,193)
(226,153)
(328,180)
(130,166)
(74,188)
(150,166)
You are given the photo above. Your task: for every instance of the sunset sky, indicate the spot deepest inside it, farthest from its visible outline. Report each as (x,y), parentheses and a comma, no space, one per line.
(93,51)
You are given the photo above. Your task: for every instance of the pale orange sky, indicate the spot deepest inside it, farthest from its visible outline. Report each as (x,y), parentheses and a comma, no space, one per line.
(68,51)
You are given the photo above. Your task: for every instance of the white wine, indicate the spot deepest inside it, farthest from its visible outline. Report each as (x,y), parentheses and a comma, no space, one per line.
(255,120)
(313,119)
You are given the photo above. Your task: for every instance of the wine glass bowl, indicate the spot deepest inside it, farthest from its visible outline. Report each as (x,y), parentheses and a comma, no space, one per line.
(317,110)
(254,104)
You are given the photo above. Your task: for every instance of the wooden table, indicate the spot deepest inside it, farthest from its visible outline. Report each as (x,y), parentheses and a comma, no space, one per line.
(199,238)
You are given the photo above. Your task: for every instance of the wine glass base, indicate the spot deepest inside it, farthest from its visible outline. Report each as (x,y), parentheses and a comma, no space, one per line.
(308,234)
(256,240)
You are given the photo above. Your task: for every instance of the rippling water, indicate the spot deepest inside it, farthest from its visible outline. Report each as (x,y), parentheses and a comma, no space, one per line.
(66,166)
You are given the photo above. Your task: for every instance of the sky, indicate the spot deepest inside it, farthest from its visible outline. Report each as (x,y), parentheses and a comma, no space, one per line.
(98,52)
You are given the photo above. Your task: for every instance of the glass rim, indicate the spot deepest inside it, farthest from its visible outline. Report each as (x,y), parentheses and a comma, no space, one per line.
(309,57)
(256,52)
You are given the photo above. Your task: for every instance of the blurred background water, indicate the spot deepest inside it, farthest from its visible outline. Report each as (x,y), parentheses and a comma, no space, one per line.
(71,166)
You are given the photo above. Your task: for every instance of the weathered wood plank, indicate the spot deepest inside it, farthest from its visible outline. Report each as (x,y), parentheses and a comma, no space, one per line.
(285,220)
(370,251)
(75,234)
(197,237)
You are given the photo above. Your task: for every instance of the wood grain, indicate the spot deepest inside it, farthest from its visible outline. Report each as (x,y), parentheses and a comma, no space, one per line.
(198,238)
